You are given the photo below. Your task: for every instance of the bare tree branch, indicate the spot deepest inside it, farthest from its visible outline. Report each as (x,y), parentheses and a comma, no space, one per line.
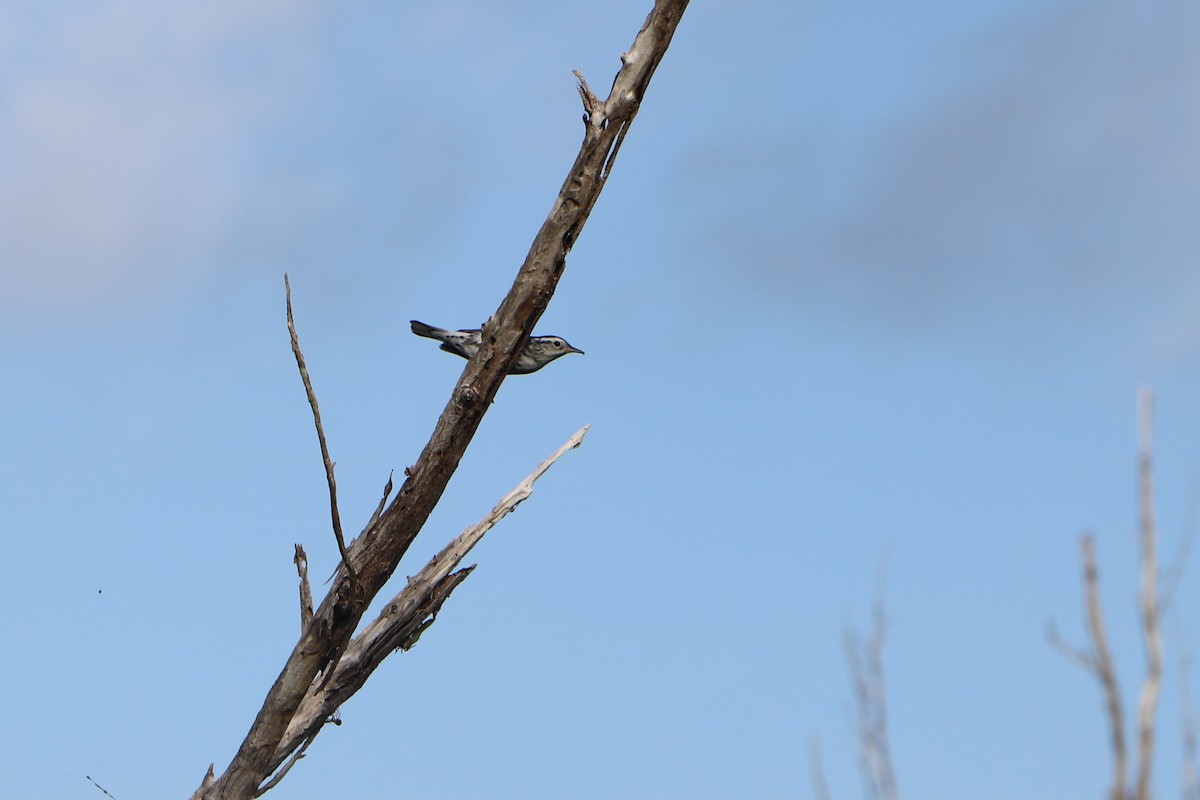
(407,615)
(1148,595)
(820,787)
(316,412)
(1174,573)
(870,694)
(1098,661)
(306,605)
(98,786)
(1189,784)
(1104,670)
(378,550)
(1084,658)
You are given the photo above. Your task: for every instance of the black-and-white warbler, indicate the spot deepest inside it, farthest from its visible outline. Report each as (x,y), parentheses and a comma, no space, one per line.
(539,350)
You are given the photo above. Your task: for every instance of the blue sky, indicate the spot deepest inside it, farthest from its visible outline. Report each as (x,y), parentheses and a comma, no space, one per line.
(870,283)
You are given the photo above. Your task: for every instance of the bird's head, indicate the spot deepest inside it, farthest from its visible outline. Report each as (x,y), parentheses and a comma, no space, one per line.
(557,346)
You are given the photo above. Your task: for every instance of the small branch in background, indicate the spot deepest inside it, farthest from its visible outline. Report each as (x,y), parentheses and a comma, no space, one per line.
(306,605)
(820,788)
(1098,661)
(1148,594)
(870,695)
(316,412)
(98,786)
(1174,573)
(1189,782)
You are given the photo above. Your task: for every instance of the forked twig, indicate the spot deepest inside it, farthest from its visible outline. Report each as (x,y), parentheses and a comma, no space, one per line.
(1098,661)
(316,411)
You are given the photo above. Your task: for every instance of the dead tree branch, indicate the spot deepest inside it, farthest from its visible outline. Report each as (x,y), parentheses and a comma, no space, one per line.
(816,770)
(870,695)
(378,550)
(1174,573)
(1148,600)
(98,786)
(1189,781)
(1098,661)
(306,606)
(406,616)
(316,412)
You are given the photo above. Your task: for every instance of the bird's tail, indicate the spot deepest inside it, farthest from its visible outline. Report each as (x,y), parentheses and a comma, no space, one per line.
(428,331)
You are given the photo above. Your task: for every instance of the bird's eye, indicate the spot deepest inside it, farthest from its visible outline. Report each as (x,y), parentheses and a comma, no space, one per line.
(558,343)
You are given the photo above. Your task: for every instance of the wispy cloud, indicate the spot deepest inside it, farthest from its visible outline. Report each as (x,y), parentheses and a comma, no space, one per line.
(1049,173)
(125,130)
(143,144)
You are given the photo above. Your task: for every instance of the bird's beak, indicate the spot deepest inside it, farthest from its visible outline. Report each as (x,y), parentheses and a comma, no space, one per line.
(574,350)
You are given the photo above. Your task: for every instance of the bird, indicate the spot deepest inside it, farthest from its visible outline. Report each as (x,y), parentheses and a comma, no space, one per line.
(539,350)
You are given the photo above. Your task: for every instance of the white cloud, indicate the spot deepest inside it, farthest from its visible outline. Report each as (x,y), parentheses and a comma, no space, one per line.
(143,144)
(125,130)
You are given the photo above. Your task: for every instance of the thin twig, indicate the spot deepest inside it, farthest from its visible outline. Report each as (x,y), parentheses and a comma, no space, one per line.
(316,411)
(870,692)
(1084,658)
(1189,785)
(98,786)
(306,604)
(1174,573)
(820,787)
(285,769)
(1148,594)
(1106,671)
(1100,664)
(387,490)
